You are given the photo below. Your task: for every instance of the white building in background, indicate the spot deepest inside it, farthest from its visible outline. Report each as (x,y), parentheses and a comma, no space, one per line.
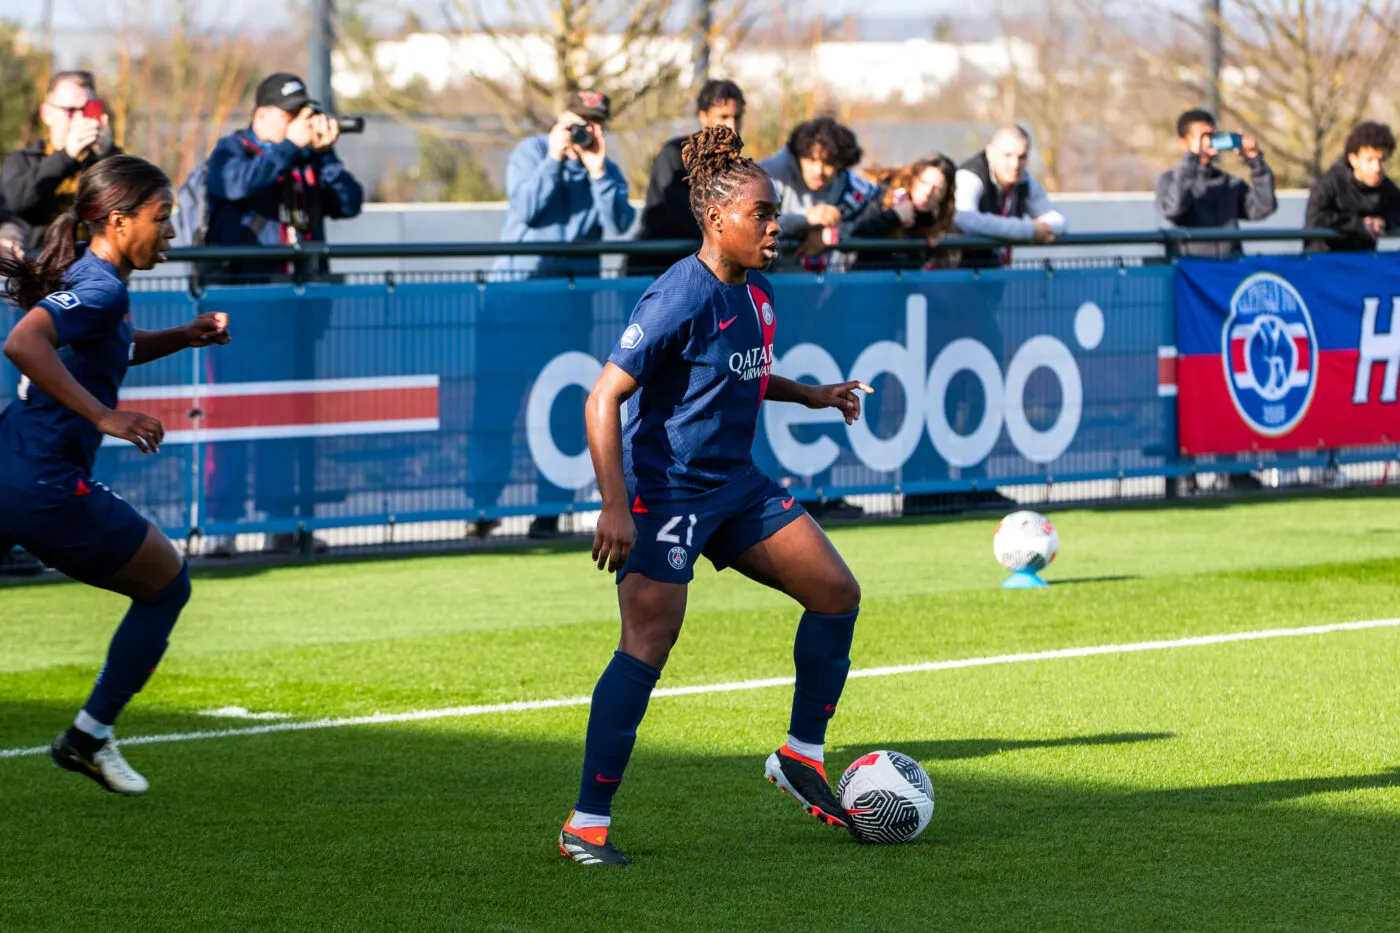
(910,71)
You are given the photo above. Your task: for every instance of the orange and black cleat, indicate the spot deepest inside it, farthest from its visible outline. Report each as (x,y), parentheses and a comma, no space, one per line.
(589,846)
(804,779)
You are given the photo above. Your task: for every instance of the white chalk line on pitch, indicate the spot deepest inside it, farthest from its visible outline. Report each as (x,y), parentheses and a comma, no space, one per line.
(523,706)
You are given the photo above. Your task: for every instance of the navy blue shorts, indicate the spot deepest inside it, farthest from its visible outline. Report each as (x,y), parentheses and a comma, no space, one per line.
(671,537)
(85,535)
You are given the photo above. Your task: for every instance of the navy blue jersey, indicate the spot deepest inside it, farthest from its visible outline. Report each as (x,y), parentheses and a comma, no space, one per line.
(40,440)
(702,352)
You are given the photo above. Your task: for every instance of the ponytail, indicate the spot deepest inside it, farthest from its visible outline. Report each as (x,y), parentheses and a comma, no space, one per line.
(118,184)
(29,280)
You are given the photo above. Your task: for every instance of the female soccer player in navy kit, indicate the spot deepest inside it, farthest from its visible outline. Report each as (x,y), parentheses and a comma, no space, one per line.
(697,354)
(73,346)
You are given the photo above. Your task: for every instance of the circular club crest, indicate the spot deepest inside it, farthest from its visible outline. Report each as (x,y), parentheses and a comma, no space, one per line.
(767,310)
(677,557)
(1269,352)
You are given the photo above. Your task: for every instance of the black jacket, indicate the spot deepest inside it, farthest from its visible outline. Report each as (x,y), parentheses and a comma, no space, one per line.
(1342,203)
(884,224)
(30,181)
(1196,195)
(667,214)
(1011,203)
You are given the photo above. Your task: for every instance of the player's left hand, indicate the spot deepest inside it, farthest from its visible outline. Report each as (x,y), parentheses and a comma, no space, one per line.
(841,396)
(208,329)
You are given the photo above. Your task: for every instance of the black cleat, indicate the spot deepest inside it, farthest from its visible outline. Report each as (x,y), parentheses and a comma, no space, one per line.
(589,846)
(98,759)
(805,781)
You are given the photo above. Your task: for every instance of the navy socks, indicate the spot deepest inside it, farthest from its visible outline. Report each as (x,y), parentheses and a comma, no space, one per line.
(619,703)
(136,649)
(821,653)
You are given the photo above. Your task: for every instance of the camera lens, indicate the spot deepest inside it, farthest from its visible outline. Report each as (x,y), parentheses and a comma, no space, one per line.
(351,124)
(581,136)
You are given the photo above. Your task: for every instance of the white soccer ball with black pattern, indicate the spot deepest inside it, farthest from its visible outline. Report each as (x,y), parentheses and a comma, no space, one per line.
(1025,541)
(888,797)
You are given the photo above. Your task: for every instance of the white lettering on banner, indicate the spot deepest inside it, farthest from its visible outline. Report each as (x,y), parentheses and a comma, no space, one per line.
(1378,348)
(905,363)
(964,450)
(925,398)
(803,458)
(562,372)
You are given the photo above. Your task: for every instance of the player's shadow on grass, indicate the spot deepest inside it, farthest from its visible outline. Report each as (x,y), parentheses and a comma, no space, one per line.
(451,824)
(956,749)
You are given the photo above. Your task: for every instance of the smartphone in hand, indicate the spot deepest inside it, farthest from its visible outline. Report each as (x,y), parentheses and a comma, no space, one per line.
(1224,142)
(94,109)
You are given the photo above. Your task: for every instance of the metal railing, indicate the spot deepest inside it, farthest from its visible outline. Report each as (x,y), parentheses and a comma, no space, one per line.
(1171,240)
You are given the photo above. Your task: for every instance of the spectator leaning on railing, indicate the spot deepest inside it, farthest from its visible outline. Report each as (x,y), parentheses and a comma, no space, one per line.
(562,187)
(1355,197)
(997,197)
(41,180)
(1198,194)
(916,203)
(667,214)
(821,198)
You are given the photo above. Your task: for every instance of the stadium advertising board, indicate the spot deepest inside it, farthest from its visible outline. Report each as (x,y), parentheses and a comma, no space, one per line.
(432,400)
(1288,354)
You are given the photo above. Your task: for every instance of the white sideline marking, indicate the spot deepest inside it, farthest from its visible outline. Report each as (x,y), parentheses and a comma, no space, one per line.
(523,706)
(240,712)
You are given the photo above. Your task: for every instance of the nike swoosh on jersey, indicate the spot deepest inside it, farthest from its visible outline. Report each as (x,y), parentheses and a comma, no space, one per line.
(724,324)
(787,503)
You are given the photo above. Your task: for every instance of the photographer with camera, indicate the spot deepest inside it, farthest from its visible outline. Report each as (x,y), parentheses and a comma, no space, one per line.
(275,182)
(562,187)
(40,181)
(1198,194)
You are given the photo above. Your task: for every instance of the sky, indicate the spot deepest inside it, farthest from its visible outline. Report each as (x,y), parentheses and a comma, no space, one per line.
(79,14)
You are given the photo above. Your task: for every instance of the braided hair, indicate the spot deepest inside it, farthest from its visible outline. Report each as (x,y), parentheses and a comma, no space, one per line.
(716,168)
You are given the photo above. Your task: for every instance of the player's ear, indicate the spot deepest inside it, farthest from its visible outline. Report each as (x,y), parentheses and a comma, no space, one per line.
(714,218)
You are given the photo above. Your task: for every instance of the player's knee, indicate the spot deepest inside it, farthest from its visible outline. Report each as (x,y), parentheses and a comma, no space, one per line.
(651,644)
(842,595)
(176,593)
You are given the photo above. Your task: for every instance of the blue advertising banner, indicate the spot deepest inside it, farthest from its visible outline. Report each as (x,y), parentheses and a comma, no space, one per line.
(349,404)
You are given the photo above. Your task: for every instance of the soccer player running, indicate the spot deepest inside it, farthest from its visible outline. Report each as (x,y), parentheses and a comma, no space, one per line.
(699,347)
(73,346)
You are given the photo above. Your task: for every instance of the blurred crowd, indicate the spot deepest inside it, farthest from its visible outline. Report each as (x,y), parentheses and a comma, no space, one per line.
(563,186)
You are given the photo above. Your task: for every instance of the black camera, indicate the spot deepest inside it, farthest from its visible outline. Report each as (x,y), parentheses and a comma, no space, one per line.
(581,135)
(347,124)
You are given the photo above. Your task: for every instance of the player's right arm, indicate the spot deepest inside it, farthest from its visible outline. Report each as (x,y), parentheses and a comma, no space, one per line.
(33,347)
(617,533)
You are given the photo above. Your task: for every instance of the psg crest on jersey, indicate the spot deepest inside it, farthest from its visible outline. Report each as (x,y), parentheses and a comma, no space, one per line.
(767,311)
(677,557)
(1269,352)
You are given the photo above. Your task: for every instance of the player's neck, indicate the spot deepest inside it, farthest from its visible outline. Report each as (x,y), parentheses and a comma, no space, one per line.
(724,268)
(105,251)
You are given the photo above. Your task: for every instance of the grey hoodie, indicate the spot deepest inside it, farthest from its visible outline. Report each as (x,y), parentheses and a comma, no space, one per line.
(848,192)
(1196,195)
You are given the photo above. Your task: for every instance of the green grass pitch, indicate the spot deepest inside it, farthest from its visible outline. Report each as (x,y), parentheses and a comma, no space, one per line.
(1250,784)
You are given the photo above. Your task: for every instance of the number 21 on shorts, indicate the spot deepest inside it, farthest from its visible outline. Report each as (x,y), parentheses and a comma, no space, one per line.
(667,533)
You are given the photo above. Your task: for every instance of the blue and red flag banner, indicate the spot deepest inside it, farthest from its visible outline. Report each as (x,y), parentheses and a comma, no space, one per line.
(1287,354)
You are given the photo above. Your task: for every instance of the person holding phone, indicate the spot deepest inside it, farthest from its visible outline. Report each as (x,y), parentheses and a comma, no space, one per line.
(1197,193)
(40,180)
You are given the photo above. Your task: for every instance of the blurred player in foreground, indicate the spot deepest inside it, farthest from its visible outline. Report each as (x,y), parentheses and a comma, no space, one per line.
(72,347)
(699,348)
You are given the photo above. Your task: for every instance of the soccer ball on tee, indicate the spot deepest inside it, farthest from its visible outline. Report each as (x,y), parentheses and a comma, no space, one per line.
(1025,541)
(888,797)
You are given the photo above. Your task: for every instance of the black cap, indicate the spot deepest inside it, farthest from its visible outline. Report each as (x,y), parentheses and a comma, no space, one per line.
(590,105)
(284,90)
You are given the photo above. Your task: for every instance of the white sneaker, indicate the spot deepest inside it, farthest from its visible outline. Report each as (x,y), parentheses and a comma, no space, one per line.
(106,766)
